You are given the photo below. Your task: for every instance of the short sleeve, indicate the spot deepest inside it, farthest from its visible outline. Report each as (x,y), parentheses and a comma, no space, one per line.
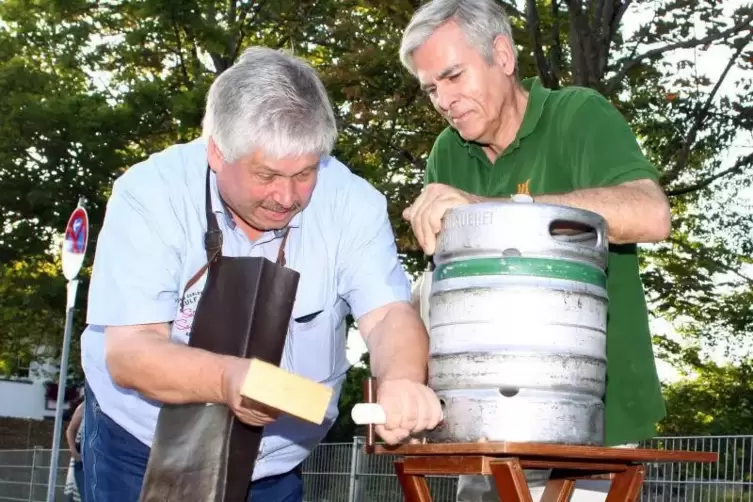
(370,274)
(430,173)
(603,149)
(136,272)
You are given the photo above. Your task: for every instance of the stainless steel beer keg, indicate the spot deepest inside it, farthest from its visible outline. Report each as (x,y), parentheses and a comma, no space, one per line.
(518,314)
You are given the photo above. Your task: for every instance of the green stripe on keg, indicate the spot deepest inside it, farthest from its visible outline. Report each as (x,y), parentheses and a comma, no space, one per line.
(538,267)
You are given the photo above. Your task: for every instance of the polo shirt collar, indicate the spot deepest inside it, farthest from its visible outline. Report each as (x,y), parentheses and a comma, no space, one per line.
(219,207)
(537,97)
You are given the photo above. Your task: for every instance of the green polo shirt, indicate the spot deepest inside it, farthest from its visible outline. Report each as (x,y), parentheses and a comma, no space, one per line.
(571,139)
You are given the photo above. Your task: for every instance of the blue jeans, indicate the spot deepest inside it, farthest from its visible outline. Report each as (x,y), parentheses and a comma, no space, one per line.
(115,463)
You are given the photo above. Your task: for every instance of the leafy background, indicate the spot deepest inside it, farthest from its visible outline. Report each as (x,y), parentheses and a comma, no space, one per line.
(89,88)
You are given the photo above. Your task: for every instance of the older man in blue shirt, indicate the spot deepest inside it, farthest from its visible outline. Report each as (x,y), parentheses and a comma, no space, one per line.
(269,130)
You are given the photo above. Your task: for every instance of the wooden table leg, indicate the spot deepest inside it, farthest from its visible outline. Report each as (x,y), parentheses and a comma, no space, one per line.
(510,480)
(626,485)
(558,490)
(414,486)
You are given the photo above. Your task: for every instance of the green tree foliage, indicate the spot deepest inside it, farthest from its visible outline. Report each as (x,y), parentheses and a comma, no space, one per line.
(717,400)
(714,402)
(26,290)
(88,88)
(32,317)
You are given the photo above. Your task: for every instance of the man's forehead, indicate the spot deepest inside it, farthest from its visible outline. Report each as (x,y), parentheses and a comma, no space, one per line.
(283,165)
(435,74)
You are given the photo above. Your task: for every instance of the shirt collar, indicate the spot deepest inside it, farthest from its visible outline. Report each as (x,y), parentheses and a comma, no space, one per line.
(219,207)
(537,97)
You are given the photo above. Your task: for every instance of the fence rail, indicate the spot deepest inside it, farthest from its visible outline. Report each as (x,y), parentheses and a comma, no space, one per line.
(341,472)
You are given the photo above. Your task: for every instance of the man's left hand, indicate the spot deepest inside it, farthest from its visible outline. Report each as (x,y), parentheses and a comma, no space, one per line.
(409,406)
(426,213)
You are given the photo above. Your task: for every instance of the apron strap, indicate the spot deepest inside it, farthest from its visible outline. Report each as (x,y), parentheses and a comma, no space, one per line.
(213,237)
(281,252)
(213,241)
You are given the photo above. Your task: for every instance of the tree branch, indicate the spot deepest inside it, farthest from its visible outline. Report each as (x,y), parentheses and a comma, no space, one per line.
(534,30)
(196,61)
(232,12)
(701,114)
(581,40)
(617,18)
(610,86)
(235,46)
(179,51)
(599,15)
(610,19)
(688,249)
(555,54)
(737,168)
(600,23)
(236,21)
(685,44)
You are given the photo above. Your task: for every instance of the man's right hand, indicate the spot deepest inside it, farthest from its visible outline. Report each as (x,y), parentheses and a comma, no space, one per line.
(426,213)
(247,412)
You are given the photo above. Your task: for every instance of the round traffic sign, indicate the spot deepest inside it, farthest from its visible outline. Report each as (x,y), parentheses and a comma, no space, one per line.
(74,242)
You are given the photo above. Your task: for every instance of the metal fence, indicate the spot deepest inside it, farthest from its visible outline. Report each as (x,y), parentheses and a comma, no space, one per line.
(24,475)
(341,472)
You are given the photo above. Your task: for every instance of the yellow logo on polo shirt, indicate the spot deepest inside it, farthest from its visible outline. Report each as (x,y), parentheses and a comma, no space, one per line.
(523,188)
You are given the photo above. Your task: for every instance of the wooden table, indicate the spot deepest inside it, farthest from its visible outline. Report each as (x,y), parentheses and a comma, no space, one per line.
(506,461)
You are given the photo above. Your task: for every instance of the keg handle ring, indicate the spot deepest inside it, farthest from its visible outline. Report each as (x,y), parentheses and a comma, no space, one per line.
(591,220)
(369,397)
(591,226)
(371,414)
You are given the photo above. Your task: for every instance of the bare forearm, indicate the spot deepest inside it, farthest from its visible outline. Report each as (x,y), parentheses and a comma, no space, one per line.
(633,212)
(399,346)
(165,371)
(74,424)
(70,438)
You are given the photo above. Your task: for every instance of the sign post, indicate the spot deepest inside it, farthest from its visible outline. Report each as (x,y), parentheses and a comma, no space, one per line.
(74,248)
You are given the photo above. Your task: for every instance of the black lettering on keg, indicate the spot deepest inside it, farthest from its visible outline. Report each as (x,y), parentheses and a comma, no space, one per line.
(472,219)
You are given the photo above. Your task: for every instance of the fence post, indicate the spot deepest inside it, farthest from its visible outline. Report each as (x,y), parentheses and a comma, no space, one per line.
(353,485)
(31,476)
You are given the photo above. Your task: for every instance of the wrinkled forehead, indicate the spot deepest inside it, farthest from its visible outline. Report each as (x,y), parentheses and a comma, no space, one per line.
(260,161)
(429,78)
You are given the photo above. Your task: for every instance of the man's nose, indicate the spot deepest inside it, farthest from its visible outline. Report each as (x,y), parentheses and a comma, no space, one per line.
(445,98)
(285,193)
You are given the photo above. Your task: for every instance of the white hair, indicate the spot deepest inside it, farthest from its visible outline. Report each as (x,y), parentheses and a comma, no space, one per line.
(272,101)
(481,21)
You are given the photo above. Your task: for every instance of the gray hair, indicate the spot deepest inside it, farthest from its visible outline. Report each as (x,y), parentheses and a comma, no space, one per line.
(481,21)
(270,100)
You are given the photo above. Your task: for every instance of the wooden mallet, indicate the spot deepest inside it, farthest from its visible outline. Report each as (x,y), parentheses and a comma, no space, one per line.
(286,392)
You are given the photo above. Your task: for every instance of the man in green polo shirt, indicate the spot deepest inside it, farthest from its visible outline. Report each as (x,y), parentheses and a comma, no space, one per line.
(568,147)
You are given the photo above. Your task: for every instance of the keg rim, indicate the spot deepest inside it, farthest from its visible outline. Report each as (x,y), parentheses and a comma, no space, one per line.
(546,268)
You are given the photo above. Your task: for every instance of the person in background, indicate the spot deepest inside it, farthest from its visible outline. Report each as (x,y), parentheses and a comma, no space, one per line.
(507,136)
(74,481)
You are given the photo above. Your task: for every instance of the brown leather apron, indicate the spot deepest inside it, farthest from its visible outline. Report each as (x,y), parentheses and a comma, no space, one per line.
(202,453)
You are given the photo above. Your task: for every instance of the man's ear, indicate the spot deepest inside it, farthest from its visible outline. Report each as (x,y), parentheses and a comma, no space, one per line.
(504,54)
(214,156)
